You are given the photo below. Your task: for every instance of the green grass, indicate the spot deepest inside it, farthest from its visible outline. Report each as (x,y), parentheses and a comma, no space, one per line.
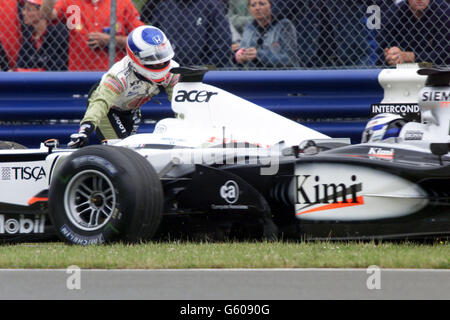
(228,255)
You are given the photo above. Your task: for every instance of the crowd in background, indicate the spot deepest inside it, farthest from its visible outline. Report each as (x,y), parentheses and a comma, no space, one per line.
(38,35)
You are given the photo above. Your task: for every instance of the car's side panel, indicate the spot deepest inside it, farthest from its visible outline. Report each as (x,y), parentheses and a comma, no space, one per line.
(22,177)
(340,192)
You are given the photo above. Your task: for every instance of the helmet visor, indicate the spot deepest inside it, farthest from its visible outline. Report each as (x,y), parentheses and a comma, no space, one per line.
(158,54)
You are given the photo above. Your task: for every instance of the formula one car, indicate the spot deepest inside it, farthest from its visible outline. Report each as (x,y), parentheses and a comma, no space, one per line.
(228,167)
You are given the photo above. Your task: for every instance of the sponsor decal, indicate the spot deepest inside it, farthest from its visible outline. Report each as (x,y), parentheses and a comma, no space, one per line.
(230,191)
(173,141)
(160,129)
(132,93)
(380,153)
(327,195)
(117,85)
(445,104)
(22,225)
(410,111)
(157,39)
(194,96)
(119,123)
(413,135)
(435,96)
(6,173)
(81,240)
(23,173)
(112,88)
(229,207)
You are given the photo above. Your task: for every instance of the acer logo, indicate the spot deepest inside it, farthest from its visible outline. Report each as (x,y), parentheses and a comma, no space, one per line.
(325,192)
(194,96)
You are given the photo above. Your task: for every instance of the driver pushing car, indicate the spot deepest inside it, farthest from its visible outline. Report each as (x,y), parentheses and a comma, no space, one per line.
(114,103)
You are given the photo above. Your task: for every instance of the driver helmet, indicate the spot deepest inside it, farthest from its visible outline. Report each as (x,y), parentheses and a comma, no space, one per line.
(150,52)
(383,126)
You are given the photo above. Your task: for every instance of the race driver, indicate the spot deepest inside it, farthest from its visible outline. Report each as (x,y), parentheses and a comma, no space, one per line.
(114,105)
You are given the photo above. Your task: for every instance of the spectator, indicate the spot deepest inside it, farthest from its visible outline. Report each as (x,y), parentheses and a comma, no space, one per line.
(236,38)
(305,16)
(198,29)
(10,33)
(239,14)
(45,47)
(267,42)
(88,23)
(416,31)
(330,33)
(345,41)
(114,104)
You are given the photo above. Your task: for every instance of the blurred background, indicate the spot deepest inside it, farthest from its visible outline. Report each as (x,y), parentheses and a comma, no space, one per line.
(228,34)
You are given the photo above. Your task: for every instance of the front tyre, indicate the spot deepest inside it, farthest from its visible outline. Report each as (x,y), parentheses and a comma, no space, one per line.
(102,194)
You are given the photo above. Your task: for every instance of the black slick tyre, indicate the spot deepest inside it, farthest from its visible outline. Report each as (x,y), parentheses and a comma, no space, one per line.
(103,194)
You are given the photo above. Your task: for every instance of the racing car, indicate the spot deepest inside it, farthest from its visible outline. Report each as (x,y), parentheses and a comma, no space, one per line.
(227,166)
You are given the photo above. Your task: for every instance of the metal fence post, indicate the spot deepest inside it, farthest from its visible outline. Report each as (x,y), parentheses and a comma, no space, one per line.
(112,33)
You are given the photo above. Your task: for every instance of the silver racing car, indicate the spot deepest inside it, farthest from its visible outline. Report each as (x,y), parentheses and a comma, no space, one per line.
(228,167)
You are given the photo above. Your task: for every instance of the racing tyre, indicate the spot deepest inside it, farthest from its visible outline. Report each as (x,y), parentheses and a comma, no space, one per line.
(10,145)
(102,194)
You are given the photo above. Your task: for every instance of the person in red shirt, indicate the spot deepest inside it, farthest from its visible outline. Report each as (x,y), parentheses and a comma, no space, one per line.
(10,33)
(44,47)
(88,22)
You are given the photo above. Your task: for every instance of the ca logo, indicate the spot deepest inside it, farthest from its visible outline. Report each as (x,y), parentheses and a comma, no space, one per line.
(230,191)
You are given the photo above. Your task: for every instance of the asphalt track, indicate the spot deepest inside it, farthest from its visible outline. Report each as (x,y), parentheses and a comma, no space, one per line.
(224,284)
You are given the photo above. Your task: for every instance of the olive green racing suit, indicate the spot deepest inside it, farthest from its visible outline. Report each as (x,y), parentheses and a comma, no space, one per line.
(114,105)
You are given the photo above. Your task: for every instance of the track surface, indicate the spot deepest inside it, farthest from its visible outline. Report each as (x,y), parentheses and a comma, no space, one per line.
(235,284)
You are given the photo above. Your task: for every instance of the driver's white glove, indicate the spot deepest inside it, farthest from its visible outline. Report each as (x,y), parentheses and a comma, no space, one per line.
(81,138)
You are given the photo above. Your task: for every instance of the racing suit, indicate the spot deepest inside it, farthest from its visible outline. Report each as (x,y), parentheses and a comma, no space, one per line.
(114,104)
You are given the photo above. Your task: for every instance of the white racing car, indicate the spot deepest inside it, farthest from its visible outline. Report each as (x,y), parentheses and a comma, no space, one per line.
(229,167)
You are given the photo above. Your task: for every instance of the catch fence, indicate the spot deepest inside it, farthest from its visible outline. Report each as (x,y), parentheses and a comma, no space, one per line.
(307,34)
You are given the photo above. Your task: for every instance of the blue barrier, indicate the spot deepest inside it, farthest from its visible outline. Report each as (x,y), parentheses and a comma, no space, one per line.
(311,97)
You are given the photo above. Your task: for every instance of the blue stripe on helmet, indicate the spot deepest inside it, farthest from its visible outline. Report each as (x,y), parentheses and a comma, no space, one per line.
(131,43)
(379,116)
(378,127)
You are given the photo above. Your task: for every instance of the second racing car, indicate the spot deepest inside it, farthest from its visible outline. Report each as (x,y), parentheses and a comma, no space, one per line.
(229,167)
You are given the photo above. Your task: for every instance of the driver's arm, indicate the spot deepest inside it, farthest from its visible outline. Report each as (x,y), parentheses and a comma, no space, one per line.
(101,100)
(169,83)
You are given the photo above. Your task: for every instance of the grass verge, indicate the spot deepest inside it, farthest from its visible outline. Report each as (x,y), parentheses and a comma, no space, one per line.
(177,255)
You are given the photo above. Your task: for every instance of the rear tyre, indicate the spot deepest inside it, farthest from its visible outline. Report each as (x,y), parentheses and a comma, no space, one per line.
(103,194)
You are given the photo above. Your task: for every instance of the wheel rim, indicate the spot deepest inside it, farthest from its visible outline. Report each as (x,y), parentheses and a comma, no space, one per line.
(90,200)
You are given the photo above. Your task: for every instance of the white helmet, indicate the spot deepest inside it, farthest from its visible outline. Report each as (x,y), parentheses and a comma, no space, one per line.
(150,52)
(383,126)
